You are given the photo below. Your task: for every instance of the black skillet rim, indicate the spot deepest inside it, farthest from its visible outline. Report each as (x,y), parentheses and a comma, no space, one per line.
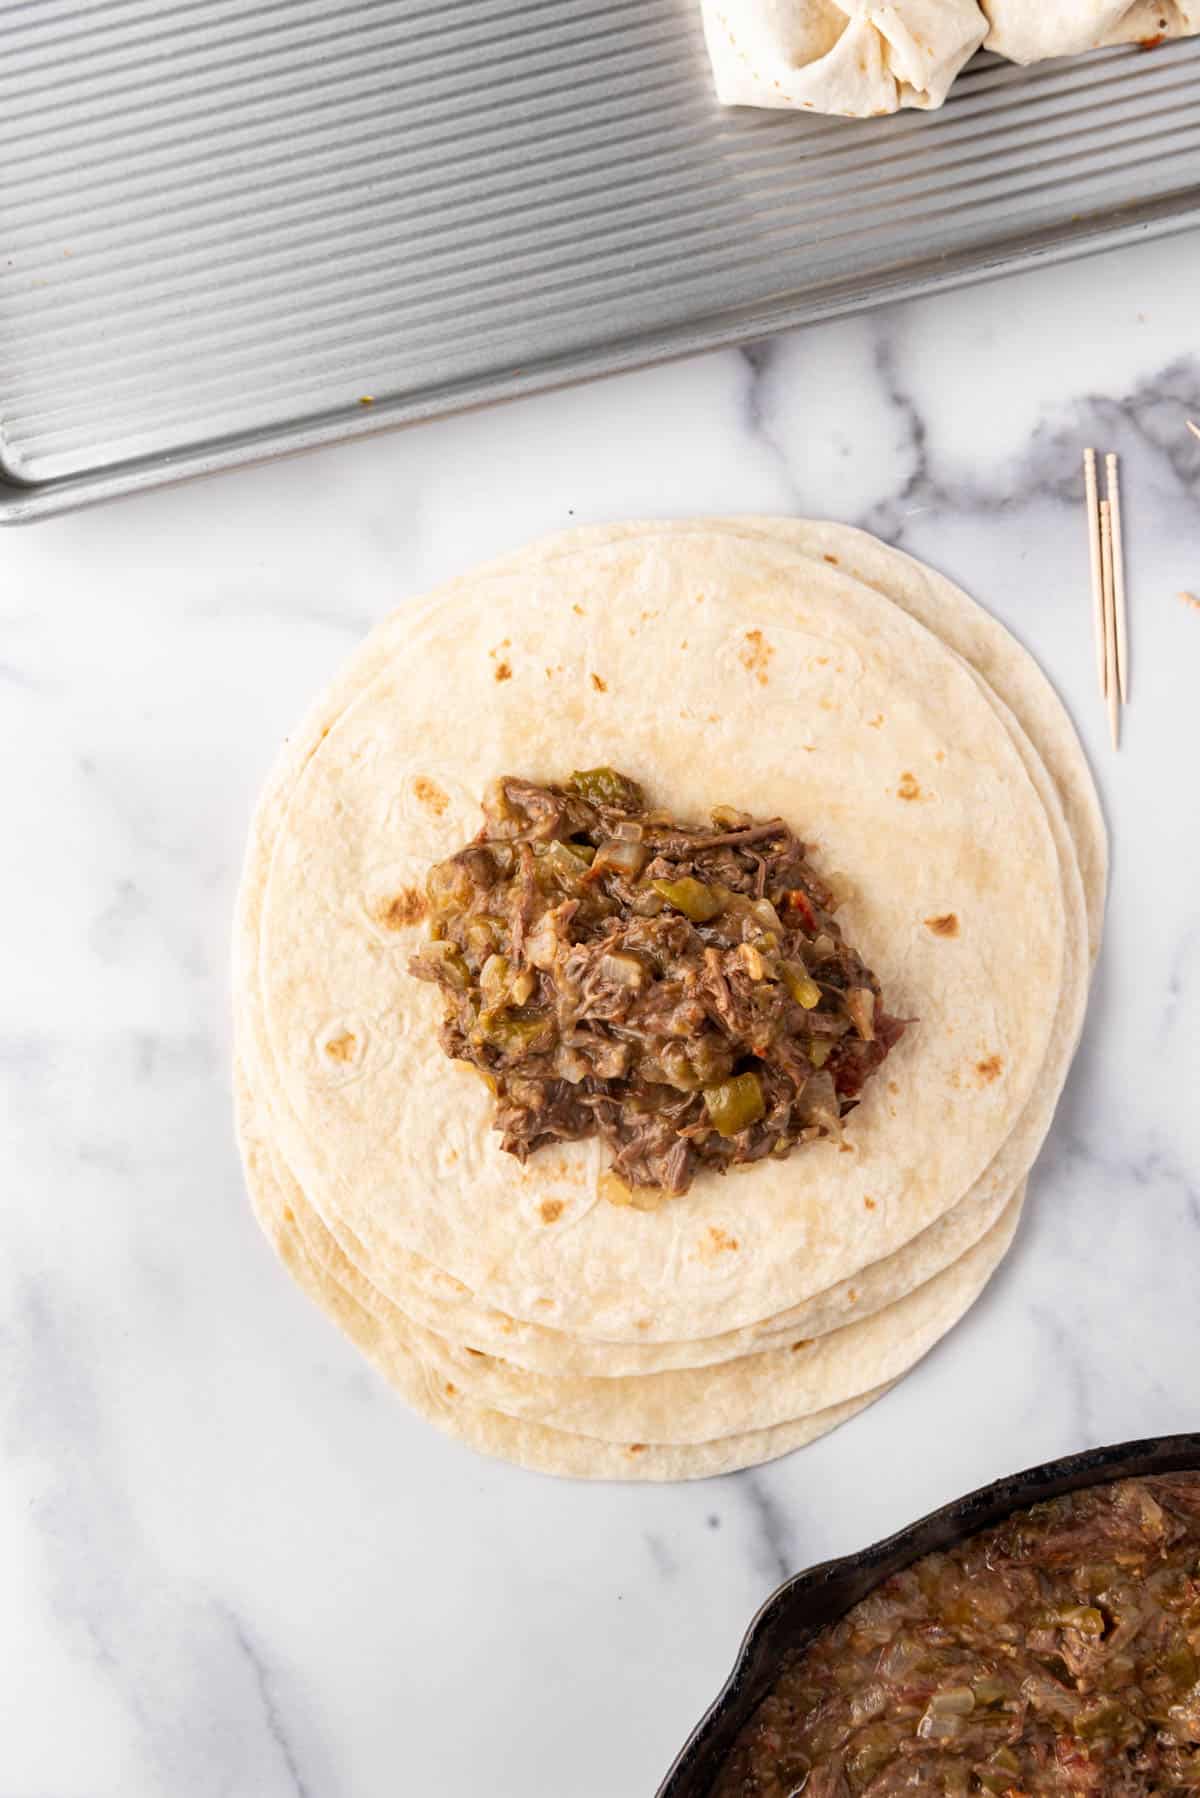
(810,1600)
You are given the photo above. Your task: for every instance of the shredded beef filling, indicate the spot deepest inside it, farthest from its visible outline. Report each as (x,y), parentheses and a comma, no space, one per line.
(685,993)
(1057,1653)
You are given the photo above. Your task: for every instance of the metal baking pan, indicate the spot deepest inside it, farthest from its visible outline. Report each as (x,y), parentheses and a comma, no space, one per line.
(230,229)
(809,1602)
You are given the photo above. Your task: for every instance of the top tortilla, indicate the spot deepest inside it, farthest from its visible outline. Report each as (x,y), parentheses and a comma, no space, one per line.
(801,664)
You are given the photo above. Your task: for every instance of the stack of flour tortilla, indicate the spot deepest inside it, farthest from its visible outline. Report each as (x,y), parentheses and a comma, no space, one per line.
(785,668)
(860,58)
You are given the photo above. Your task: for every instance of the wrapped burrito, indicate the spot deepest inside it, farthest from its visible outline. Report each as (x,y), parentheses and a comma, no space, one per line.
(860,58)
(1030,31)
(853,57)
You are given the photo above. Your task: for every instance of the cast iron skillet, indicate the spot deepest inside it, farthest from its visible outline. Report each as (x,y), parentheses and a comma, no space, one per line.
(806,1603)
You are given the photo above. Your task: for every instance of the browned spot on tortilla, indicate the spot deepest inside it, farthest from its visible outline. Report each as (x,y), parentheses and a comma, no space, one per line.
(714,717)
(852,1296)
(875,723)
(601,686)
(405,907)
(944,924)
(755,656)
(806,1343)
(430,795)
(940,756)
(552,1210)
(503,671)
(643,1323)
(832,560)
(637,1448)
(683,645)
(451,1390)
(289,1216)
(451,1156)
(718,1242)
(846,1148)
(341,1048)
(909,787)
(549,674)
(989,1069)
(580,610)
(478,1354)
(826,703)
(544,1301)
(869,1203)
(822,661)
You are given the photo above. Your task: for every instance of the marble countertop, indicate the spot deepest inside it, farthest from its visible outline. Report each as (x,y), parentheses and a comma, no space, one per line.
(233,1565)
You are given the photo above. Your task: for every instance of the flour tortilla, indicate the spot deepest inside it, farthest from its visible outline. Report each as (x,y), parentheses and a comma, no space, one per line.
(853,57)
(437,1297)
(1030,30)
(440,1304)
(337,1287)
(957,620)
(461,1320)
(687,1268)
(761,1390)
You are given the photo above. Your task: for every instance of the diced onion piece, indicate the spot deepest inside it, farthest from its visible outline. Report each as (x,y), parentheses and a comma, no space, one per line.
(482,936)
(521,987)
(764,913)
(570,1065)
(751,961)
(541,945)
(860,1003)
(621,857)
(952,1701)
(1083,1617)
(493,981)
(622,969)
(449,887)
(819,1104)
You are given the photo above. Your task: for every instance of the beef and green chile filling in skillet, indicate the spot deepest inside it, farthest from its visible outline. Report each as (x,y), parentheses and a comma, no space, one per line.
(682,991)
(1057,1653)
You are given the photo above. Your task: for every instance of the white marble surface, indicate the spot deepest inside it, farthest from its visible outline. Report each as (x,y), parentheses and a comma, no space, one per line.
(232,1565)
